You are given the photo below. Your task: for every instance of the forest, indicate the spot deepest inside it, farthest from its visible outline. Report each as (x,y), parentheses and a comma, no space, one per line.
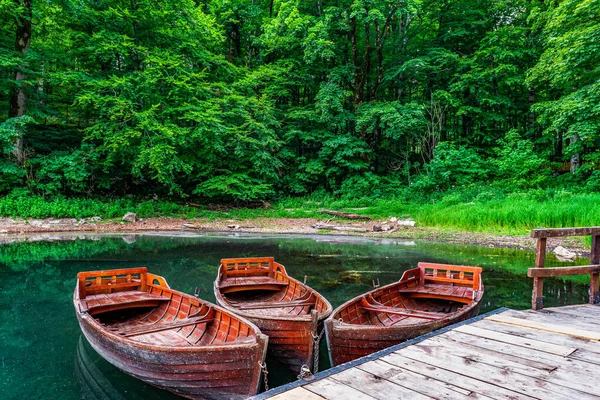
(217,101)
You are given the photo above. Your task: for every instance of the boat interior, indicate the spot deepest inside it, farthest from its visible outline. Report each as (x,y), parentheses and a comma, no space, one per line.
(141,306)
(260,286)
(427,293)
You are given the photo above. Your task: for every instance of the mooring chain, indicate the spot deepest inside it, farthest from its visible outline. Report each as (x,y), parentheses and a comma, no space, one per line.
(304,372)
(317,339)
(263,367)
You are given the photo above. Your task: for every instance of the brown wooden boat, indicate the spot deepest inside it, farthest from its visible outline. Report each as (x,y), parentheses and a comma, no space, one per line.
(424,299)
(288,311)
(167,338)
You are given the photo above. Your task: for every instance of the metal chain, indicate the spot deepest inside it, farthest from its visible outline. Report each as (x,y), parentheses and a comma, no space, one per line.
(263,367)
(304,372)
(317,339)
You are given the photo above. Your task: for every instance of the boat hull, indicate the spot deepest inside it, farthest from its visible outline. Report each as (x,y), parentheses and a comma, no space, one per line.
(290,342)
(285,313)
(349,342)
(225,372)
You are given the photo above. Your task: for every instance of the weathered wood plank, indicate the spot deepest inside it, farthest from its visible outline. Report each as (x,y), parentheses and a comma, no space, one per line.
(298,393)
(524,379)
(591,346)
(587,313)
(562,271)
(476,385)
(545,324)
(560,232)
(375,386)
(332,389)
(516,340)
(418,383)
(567,372)
(555,316)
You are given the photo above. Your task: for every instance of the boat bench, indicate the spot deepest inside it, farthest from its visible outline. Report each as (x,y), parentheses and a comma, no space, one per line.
(101,303)
(459,294)
(239,284)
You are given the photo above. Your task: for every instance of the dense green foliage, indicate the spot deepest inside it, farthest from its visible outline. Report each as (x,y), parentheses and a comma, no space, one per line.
(248,100)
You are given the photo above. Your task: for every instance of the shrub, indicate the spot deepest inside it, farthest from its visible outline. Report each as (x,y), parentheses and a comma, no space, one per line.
(519,164)
(452,166)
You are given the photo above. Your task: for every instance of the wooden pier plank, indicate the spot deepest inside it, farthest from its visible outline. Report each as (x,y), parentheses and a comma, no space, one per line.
(298,393)
(381,389)
(565,373)
(419,383)
(545,324)
(587,312)
(523,378)
(540,335)
(474,385)
(332,389)
(547,347)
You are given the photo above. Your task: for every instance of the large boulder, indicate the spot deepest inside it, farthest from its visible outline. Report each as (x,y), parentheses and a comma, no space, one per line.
(130,217)
(564,254)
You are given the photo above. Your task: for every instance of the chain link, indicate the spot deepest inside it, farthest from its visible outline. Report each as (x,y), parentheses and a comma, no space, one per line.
(304,372)
(263,367)
(317,347)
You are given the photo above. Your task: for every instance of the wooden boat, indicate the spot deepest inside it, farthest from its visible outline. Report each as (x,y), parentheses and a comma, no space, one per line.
(424,299)
(288,311)
(167,338)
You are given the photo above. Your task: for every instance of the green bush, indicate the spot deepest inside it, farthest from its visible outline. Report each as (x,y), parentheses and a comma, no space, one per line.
(519,165)
(452,166)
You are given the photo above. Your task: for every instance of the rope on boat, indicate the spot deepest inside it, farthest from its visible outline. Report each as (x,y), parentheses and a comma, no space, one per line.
(265,372)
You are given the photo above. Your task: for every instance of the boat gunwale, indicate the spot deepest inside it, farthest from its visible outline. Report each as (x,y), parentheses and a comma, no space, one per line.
(222,301)
(101,328)
(341,325)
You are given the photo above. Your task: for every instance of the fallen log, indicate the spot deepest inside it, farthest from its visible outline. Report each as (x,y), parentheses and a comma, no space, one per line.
(340,228)
(346,215)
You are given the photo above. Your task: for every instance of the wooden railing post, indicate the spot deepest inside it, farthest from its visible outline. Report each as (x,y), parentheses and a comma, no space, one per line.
(594,281)
(537,299)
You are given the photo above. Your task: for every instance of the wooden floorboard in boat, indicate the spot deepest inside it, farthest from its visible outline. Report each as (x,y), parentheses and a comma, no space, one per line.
(552,354)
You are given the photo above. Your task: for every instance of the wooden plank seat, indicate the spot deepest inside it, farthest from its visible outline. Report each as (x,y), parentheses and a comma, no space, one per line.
(279,304)
(238,284)
(101,303)
(372,305)
(459,294)
(153,328)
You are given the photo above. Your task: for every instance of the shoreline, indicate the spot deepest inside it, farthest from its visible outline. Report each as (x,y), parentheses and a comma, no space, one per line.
(10,228)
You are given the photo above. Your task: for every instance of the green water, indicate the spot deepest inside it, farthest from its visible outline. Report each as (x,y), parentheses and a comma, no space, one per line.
(42,354)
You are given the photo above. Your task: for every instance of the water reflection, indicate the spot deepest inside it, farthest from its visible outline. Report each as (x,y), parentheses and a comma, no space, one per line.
(99,380)
(40,335)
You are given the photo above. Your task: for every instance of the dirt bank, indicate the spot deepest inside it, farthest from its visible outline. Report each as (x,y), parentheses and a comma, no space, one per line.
(10,227)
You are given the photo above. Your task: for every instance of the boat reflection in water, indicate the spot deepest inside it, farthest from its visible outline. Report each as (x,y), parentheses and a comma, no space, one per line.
(99,380)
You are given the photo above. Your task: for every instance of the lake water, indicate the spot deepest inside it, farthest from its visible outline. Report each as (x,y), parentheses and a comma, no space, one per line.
(42,353)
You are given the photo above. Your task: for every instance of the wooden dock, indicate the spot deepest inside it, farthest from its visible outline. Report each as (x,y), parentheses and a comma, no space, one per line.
(506,354)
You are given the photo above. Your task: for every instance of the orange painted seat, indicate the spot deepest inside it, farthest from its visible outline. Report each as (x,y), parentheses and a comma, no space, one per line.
(457,293)
(238,284)
(104,302)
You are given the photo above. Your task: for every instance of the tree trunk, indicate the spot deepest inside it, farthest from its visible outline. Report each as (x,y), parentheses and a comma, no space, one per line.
(18,101)
(575,159)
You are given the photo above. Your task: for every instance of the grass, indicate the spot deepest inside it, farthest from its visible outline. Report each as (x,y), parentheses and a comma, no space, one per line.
(515,214)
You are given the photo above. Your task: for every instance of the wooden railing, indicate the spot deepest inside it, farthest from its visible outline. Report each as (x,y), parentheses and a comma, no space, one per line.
(539,272)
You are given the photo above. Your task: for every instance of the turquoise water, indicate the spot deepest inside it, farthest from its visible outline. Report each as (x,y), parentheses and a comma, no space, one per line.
(42,354)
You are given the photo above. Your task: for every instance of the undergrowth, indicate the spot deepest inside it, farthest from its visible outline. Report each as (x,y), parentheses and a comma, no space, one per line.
(466,209)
